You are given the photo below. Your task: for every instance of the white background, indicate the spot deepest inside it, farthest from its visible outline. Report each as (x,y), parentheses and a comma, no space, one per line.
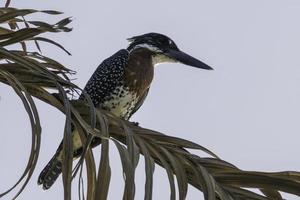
(247,110)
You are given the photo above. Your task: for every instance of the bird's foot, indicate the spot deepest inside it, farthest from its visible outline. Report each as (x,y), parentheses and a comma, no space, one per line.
(135,123)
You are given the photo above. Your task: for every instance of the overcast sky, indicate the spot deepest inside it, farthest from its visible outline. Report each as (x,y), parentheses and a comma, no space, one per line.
(247,110)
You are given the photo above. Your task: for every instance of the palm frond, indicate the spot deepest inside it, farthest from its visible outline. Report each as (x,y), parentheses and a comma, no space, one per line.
(31,74)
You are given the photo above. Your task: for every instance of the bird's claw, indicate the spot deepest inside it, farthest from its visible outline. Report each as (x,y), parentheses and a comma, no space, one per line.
(135,123)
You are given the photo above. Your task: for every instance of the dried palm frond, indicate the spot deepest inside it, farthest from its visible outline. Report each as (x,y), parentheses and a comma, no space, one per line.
(30,74)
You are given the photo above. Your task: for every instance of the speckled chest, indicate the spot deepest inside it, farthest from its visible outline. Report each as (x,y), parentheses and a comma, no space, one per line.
(121,81)
(121,101)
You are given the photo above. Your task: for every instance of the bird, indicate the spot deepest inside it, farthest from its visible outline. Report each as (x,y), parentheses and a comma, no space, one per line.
(120,85)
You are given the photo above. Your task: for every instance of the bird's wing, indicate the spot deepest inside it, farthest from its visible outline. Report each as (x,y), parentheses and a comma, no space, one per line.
(106,77)
(140,102)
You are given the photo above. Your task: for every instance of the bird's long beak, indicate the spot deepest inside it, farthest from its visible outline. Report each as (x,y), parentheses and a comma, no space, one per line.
(187,59)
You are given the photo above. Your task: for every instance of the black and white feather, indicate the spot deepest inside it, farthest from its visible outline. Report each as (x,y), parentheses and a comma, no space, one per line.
(106,78)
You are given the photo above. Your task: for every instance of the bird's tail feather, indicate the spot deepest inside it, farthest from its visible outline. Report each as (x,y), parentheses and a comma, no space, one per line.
(52,170)
(54,167)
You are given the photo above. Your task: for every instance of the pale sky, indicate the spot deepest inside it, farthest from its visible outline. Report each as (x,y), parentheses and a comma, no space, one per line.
(247,110)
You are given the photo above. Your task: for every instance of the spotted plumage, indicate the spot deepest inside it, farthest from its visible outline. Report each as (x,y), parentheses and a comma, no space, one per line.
(107,78)
(120,85)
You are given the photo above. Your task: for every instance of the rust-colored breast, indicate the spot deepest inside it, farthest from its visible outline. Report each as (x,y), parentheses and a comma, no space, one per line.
(139,71)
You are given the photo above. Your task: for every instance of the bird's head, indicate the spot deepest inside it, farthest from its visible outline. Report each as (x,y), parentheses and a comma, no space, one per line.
(164,49)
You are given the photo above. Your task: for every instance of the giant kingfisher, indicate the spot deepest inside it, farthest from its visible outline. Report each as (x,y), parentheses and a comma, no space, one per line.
(120,85)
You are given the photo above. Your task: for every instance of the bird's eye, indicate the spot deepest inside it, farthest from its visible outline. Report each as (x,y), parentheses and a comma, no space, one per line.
(162,41)
(172,45)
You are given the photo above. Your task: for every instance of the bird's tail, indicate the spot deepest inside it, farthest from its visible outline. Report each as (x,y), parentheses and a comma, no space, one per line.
(54,167)
(52,170)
